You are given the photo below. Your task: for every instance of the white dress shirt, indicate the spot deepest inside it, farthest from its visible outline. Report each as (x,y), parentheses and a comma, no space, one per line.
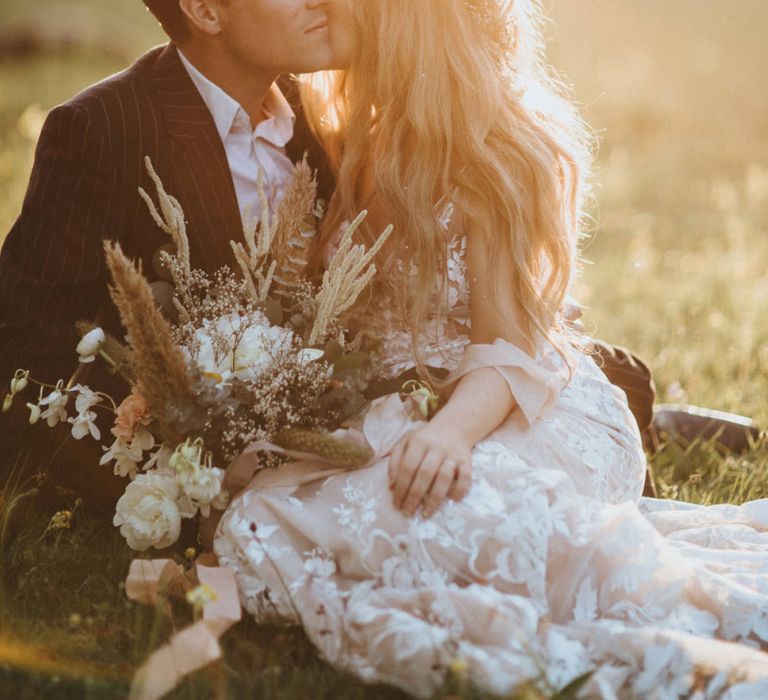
(249,149)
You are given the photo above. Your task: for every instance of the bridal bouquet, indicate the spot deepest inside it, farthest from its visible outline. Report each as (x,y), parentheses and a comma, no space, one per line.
(258,356)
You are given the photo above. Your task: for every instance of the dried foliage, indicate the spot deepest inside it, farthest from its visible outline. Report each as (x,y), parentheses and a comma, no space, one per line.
(350,271)
(296,227)
(342,452)
(173,223)
(254,259)
(156,361)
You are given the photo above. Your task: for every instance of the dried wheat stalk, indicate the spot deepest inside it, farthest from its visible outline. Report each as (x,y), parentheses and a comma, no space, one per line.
(296,227)
(253,258)
(350,271)
(156,361)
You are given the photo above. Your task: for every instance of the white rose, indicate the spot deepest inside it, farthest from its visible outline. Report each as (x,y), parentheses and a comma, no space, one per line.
(90,344)
(147,514)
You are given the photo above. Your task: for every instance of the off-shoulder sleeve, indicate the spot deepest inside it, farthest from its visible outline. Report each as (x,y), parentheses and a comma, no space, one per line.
(535,384)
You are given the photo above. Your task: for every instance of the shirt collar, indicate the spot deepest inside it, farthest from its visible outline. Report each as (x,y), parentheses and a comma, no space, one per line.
(280,117)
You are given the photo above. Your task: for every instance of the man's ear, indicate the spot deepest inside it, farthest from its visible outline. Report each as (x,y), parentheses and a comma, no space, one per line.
(203,14)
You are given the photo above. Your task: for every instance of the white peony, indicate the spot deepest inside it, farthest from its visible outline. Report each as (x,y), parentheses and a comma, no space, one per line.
(249,350)
(257,347)
(90,344)
(147,514)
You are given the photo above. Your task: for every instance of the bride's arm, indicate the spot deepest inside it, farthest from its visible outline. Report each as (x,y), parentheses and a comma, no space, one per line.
(434,461)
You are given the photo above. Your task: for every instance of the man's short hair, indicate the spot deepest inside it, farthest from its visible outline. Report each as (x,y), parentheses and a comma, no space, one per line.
(170,16)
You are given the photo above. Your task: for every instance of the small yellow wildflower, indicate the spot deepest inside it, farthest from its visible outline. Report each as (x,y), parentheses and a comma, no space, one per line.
(190,553)
(61,520)
(199,597)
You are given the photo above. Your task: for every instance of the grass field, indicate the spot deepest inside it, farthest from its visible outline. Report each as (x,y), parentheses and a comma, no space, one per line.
(676,269)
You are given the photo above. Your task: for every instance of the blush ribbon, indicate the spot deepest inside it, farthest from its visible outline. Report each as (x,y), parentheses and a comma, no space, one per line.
(386,422)
(195,646)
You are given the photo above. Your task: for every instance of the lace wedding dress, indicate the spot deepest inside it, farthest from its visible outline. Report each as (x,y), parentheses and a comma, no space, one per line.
(550,568)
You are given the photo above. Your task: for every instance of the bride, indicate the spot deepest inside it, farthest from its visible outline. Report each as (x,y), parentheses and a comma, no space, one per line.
(506,536)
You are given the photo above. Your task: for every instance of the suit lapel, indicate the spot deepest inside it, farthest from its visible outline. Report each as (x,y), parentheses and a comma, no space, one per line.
(199,169)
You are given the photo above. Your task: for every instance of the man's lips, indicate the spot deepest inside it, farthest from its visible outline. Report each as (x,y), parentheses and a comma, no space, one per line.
(318,26)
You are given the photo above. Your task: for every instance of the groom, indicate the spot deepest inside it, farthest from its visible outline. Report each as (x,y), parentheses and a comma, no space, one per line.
(209,111)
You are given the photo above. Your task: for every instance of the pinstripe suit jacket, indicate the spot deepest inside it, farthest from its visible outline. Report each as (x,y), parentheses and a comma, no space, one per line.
(84,189)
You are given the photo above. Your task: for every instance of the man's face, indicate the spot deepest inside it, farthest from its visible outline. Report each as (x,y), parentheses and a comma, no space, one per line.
(282,36)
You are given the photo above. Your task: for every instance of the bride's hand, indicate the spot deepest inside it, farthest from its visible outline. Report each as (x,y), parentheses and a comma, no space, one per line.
(429,465)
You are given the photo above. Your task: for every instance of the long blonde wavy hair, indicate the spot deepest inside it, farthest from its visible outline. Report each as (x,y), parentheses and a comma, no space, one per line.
(453,97)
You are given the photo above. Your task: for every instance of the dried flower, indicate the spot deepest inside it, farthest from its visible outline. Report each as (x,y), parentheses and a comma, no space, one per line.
(349,272)
(344,452)
(296,227)
(172,220)
(257,267)
(157,362)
